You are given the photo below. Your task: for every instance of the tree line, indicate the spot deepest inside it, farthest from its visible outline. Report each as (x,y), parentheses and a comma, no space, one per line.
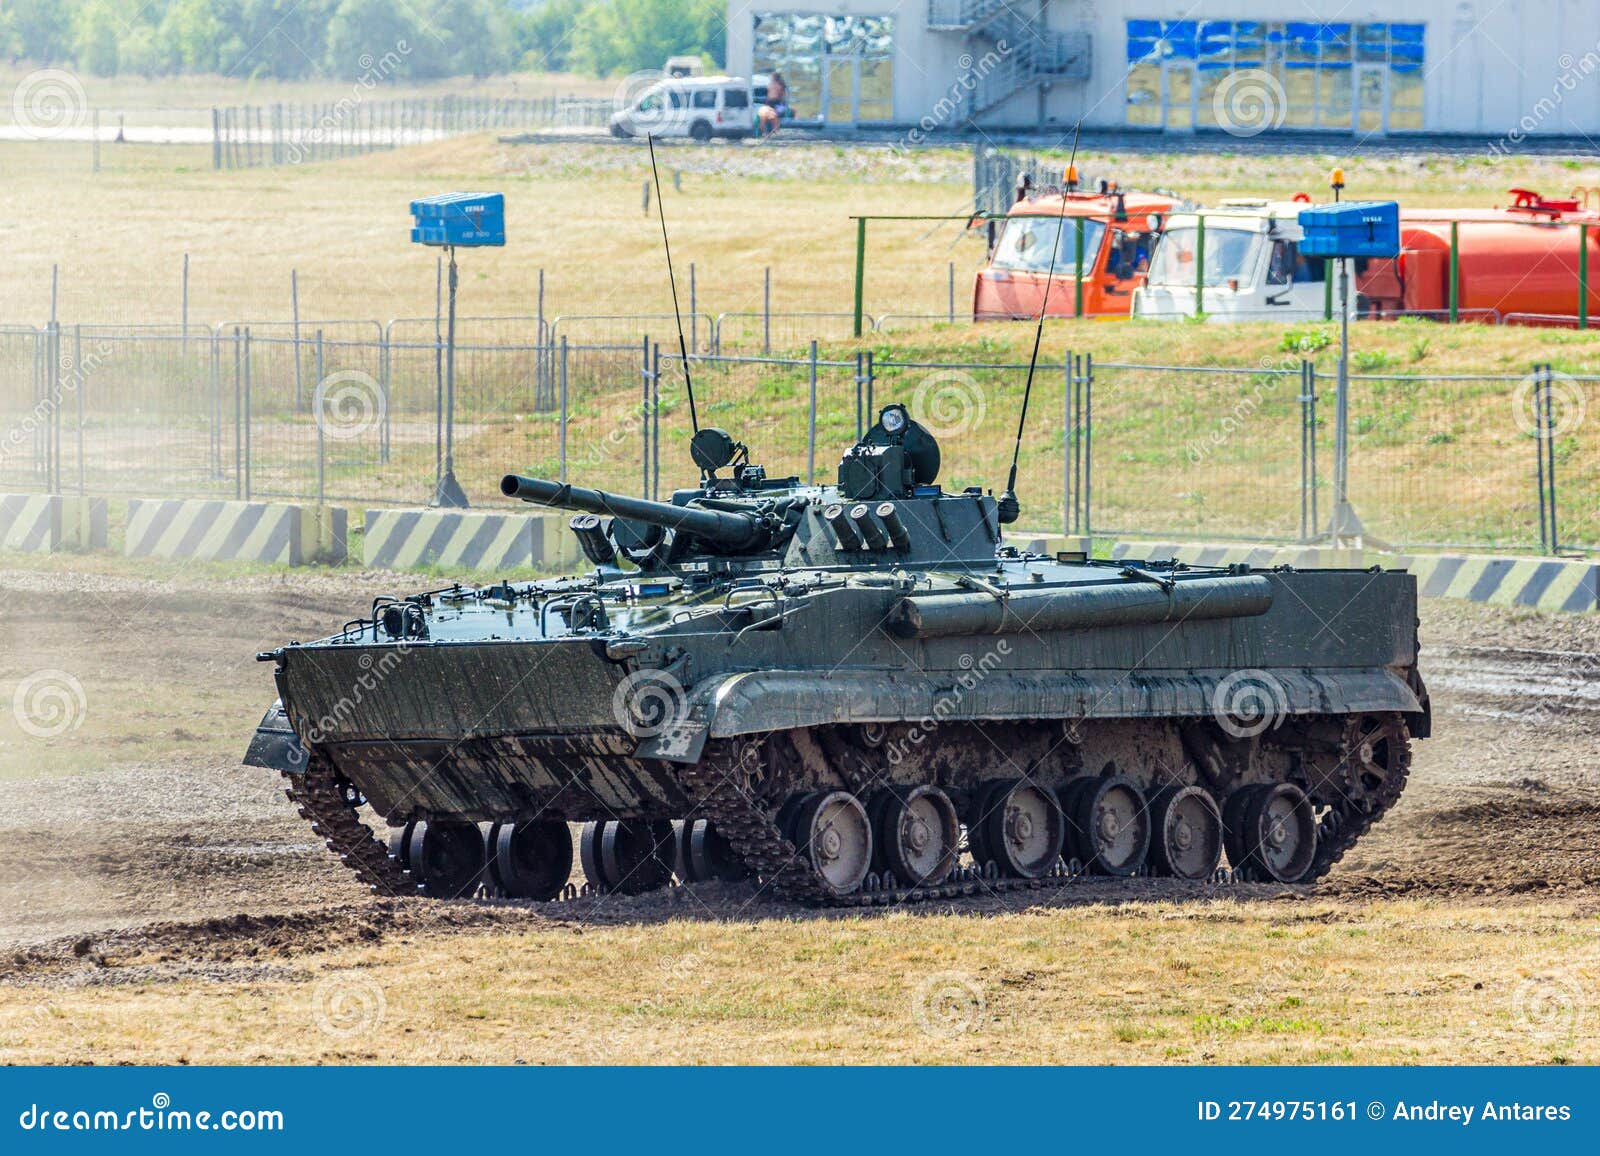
(340,39)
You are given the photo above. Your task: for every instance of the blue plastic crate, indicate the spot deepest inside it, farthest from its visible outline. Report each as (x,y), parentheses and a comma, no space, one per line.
(465,219)
(1353,229)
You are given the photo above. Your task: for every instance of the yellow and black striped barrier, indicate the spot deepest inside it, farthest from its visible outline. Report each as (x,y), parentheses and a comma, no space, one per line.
(229,531)
(1557,584)
(467,540)
(1051,544)
(46,523)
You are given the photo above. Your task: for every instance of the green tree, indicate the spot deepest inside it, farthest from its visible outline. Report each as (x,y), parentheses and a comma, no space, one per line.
(543,35)
(96,29)
(364,33)
(192,34)
(615,36)
(39,30)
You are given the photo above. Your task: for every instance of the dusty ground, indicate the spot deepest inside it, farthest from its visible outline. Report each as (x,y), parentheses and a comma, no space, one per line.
(158,901)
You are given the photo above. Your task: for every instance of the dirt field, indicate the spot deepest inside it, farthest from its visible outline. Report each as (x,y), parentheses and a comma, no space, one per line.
(160,902)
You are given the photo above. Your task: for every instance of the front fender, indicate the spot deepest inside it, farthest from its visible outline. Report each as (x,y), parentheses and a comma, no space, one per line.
(275,746)
(761,701)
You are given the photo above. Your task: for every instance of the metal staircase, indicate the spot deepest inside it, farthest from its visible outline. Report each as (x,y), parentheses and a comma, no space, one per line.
(1010,52)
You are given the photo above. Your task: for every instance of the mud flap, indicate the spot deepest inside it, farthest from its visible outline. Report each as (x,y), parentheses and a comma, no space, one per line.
(680,741)
(275,746)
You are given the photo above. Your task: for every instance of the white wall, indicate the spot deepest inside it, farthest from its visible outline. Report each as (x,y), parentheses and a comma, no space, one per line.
(1491,67)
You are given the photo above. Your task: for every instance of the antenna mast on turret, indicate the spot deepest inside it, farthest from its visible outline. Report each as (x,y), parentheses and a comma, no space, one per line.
(1010,508)
(683,346)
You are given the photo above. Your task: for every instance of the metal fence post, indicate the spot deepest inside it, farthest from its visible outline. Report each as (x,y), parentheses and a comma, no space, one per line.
(384,373)
(1088,443)
(872,381)
(860,406)
(215,356)
(563,409)
(1455,269)
(82,388)
(1199,264)
(644,421)
(1544,445)
(1583,276)
(1066,444)
(766,312)
(294,309)
(655,422)
(952,291)
(318,402)
(861,269)
(811,422)
(247,447)
(53,424)
(238,414)
(1077,285)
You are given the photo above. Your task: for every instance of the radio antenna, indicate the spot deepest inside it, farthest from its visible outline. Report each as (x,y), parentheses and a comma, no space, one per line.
(683,346)
(1010,508)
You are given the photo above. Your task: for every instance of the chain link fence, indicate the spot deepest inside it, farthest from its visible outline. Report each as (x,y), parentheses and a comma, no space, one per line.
(358,412)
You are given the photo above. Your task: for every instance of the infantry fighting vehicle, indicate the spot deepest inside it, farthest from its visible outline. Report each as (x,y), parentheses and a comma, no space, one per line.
(856,692)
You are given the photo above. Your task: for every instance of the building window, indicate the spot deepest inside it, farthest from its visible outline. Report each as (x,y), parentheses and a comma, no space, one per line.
(839,69)
(1364,78)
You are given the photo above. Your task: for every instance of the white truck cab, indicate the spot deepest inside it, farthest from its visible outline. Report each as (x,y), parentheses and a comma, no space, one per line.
(1253,268)
(700,107)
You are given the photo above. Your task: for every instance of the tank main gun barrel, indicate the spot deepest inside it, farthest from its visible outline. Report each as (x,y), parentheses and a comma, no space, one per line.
(727,528)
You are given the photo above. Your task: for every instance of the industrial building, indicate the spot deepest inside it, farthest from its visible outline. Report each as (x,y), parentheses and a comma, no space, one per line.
(1468,67)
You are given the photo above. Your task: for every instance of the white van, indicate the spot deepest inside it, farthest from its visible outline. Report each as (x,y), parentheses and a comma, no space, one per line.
(1254,270)
(699,107)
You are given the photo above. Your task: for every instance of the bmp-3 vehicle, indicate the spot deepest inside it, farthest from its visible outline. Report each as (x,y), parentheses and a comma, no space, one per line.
(857,693)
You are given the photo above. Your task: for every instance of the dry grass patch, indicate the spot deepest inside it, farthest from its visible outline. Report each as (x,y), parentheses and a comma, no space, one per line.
(1208,982)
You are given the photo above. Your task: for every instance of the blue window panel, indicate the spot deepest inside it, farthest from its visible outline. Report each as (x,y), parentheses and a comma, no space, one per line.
(1216,38)
(1180,36)
(1215,66)
(1141,48)
(1335,65)
(1396,66)
(1308,65)
(1144,29)
(1406,33)
(1333,33)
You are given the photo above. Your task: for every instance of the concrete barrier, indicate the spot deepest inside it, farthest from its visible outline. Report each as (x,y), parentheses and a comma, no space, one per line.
(1047,543)
(468,540)
(229,531)
(46,523)
(1557,584)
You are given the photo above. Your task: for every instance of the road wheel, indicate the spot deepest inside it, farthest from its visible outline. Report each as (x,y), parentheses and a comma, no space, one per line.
(1185,833)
